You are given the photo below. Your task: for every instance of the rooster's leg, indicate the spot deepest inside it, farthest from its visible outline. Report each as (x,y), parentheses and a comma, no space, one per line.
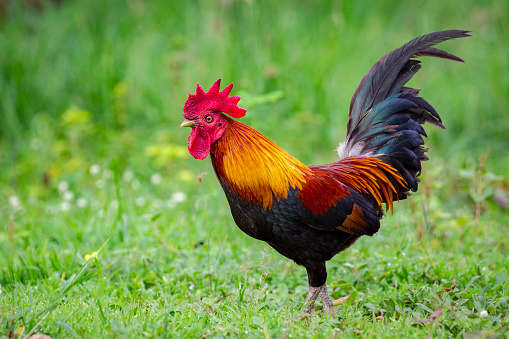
(311,298)
(317,276)
(327,303)
(313,295)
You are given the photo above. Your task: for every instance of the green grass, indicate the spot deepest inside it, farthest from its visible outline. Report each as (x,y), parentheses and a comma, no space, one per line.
(91,155)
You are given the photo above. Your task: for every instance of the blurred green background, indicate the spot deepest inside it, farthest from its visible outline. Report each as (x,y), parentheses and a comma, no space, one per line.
(91,101)
(130,65)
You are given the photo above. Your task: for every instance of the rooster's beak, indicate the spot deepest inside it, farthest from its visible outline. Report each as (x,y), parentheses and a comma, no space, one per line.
(187,123)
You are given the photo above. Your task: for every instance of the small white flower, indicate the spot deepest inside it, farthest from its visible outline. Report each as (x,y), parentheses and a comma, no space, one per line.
(135,184)
(65,206)
(107,174)
(178,197)
(68,196)
(128,176)
(141,201)
(114,204)
(483,314)
(81,202)
(157,204)
(52,210)
(63,186)
(99,183)
(156,179)
(15,202)
(95,169)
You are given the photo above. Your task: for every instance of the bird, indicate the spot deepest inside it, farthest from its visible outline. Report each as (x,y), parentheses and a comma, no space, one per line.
(310,213)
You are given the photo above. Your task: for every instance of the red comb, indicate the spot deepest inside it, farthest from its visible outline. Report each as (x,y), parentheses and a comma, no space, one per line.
(213,100)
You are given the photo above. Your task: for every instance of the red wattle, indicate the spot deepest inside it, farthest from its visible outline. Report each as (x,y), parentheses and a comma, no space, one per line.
(198,144)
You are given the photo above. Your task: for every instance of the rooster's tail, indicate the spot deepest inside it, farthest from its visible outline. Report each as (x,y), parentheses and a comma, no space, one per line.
(386,117)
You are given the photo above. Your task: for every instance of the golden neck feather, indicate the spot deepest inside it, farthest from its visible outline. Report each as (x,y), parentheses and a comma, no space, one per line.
(256,168)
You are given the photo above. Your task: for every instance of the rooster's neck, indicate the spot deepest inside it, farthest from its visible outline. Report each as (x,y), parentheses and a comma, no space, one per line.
(255,167)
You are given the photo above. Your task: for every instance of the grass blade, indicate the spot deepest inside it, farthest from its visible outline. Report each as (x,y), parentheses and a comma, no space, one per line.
(73,281)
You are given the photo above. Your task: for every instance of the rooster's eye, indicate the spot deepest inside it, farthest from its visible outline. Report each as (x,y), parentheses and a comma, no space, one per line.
(209,118)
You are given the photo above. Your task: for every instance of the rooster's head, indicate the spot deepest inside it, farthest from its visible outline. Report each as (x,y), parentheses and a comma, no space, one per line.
(204,113)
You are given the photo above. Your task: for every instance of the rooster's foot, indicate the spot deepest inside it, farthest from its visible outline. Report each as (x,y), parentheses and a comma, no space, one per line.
(327,302)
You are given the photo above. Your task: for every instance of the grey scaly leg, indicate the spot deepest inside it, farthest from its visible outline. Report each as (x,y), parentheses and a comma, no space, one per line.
(313,295)
(311,298)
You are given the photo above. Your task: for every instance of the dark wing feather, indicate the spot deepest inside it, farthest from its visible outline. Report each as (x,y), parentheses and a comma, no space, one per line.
(355,213)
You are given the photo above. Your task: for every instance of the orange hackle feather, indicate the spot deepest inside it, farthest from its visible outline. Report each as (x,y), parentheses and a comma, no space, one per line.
(255,167)
(258,170)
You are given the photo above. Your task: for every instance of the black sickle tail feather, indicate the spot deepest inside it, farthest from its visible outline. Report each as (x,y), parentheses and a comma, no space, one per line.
(386,117)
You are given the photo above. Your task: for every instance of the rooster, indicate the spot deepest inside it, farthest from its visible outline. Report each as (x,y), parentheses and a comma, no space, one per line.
(311,213)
